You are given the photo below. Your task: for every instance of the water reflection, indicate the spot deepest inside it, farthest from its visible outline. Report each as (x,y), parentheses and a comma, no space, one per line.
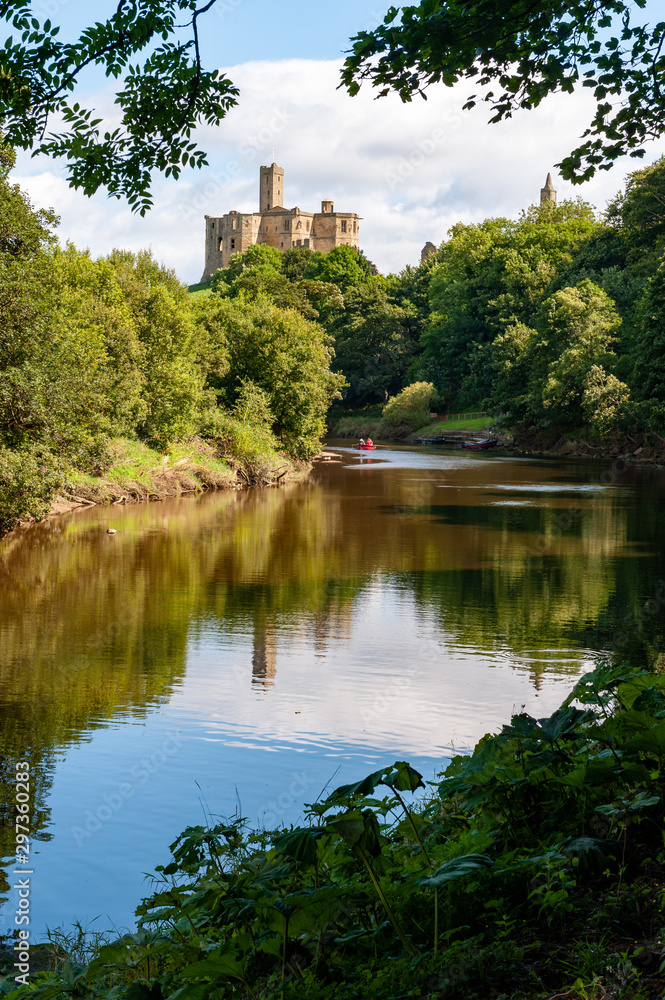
(389,606)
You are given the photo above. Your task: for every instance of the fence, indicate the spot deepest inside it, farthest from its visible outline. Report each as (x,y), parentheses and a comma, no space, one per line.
(459,416)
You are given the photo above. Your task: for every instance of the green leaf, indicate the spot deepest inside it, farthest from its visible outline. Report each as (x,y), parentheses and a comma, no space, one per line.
(469,864)
(300,844)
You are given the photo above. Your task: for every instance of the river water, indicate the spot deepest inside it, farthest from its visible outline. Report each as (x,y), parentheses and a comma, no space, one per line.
(240,652)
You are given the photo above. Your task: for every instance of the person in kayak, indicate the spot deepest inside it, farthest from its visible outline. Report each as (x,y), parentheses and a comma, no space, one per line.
(369,442)
(362,441)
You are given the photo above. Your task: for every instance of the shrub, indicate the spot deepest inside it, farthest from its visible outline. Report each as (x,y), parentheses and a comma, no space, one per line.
(411,407)
(28,483)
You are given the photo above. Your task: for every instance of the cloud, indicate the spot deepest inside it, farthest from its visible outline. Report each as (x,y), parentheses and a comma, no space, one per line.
(410,170)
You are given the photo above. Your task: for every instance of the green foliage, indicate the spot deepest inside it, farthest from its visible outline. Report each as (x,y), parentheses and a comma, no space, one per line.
(94,350)
(650,346)
(375,342)
(342,266)
(258,256)
(160,102)
(28,480)
(286,356)
(542,836)
(520,53)
(488,277)
(411,407)
(162,316)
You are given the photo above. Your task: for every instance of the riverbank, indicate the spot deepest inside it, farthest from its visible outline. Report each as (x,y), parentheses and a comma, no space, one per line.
(141,474)
(647,450)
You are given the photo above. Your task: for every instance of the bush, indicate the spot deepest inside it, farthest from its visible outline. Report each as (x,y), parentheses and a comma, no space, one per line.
(411,407)
(28,483)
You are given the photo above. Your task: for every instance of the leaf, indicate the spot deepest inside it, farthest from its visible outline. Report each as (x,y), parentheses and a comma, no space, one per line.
(366,786)
(300,844)
(458,868)
(405,778)
(358,830)
(225,963)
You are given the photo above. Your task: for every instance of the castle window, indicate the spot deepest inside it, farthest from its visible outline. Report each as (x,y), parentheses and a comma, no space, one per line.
(221,244)
(344,225)
(355,228)
(299,224)
(233,244)
(268,206)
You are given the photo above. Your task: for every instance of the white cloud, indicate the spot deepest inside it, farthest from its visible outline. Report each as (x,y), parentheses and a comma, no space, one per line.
(410,171)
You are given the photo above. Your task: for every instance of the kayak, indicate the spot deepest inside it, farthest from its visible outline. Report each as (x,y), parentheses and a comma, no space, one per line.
(367,447)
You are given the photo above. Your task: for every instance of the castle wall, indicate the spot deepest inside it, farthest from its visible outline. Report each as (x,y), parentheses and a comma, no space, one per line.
(278,227)
(226,235)
(334,229)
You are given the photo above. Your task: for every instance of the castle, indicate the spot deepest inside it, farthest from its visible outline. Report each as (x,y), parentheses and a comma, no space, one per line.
(276,226)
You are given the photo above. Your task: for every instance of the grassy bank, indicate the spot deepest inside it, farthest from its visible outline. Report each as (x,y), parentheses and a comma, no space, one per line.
(371,425)
(534,868)
(138,473)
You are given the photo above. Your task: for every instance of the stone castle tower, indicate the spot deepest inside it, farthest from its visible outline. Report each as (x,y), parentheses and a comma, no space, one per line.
(548,193)
(276,226)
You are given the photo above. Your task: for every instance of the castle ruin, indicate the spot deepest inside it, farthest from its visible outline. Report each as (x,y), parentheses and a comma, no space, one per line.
(276,226)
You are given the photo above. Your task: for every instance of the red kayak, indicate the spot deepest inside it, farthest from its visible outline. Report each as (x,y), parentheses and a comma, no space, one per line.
(367,447)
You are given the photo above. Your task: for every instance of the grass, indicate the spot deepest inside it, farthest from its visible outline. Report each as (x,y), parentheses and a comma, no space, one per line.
(139,472)
(441,426)
(202,286)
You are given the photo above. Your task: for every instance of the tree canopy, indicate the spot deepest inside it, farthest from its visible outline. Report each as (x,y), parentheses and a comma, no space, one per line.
(160,102)
(518,52)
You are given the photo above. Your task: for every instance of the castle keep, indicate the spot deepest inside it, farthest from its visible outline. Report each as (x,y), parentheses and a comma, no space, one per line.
(276,226)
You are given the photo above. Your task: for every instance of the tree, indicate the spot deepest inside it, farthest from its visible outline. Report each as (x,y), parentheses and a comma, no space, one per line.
(521,52)
(410,408)
(650,347)
(559,372)
(169,361)
(487,277)
(281,353)
(160,102)
(342,266)
(375,342)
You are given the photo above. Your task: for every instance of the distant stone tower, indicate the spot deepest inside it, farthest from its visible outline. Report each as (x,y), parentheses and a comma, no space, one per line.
(272,188)
(548,193)
(428,249)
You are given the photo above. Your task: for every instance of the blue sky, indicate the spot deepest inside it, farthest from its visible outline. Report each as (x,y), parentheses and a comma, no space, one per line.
(239,30)
(411,171)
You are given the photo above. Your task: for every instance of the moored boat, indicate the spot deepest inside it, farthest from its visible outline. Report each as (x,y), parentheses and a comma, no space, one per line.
(480,445)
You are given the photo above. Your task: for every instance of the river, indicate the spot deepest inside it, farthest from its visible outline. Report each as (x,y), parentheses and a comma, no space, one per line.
(240,652)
